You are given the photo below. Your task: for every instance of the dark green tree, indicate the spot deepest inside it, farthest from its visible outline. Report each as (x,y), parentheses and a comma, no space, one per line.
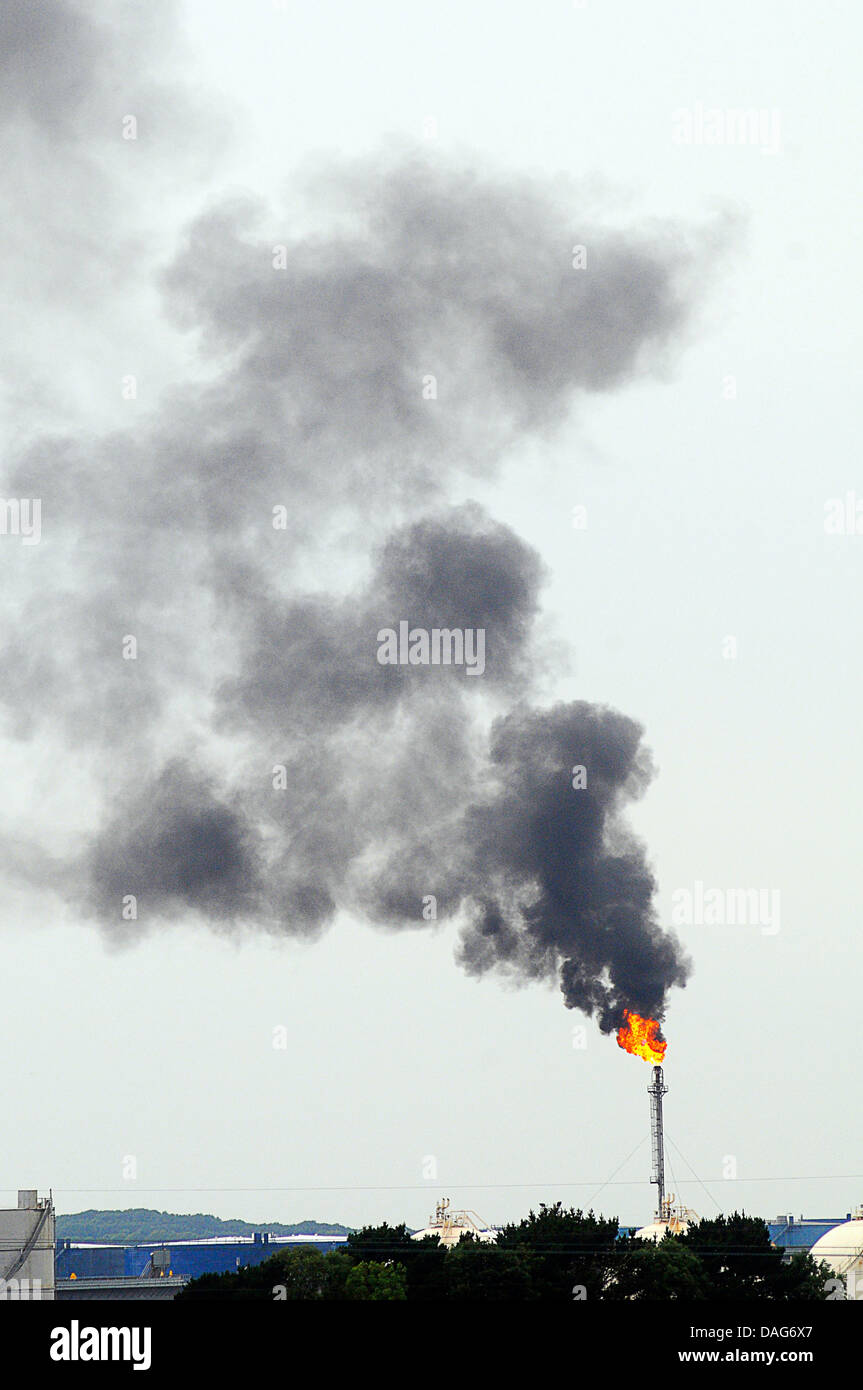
(479,1271)
(424,1260)
(741,1263)
(382,1242)
(306,1273)
(380,1282)
(665,1272)
(569,1250)
(255,1282)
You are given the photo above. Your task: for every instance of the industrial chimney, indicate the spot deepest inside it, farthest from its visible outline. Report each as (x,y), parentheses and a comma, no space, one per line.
(656,1091)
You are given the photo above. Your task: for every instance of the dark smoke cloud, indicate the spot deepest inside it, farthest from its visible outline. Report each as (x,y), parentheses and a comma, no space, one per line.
(322,781)
(567,890)
(320,406)
(310,662)
(176,846)
(49,55)
(70,70)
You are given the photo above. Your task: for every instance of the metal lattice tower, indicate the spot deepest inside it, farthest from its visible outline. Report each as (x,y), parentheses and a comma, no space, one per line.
(656,1091)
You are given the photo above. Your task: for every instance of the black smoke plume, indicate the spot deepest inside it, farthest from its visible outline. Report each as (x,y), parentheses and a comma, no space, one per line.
(255,764)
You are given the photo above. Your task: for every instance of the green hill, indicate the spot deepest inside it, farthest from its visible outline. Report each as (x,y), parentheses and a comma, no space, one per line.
(141,1226)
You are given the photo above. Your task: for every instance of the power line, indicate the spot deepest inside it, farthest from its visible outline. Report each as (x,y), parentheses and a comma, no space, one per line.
(474,1186)
(692,1170)
(608,1181)
(671,1168)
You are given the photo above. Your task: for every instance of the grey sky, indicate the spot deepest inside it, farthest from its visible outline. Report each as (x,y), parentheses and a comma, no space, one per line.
(705,506)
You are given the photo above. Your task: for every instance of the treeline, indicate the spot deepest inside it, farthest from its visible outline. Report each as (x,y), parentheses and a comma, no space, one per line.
(555,1254)
(141,1226)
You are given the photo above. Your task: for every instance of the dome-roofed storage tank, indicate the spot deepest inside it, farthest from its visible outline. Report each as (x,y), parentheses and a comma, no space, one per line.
(842,1250)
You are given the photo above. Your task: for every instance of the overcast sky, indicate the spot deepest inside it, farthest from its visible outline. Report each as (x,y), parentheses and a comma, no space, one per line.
(428,172)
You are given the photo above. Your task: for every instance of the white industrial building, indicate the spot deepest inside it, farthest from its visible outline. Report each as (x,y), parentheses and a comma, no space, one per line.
(450,1226)
(673,1219)
(27,1248)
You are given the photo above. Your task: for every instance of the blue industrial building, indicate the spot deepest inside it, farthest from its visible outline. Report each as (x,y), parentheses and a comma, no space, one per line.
(183,1258)
(802,1234)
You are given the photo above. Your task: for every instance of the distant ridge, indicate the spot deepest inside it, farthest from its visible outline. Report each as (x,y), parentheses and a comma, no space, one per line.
(141,1226)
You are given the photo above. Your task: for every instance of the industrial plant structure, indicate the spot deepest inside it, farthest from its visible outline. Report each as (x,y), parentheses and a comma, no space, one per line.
(450,1226)
(838,1243)
(670,1218)
(27,1248)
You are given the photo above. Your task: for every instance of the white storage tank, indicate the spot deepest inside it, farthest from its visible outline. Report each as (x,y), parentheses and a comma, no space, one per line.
(842,1251)
(675,1220)
(27,1248)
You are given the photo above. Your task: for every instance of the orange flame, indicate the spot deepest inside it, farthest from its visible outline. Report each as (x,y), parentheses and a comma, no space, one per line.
(641,1037)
